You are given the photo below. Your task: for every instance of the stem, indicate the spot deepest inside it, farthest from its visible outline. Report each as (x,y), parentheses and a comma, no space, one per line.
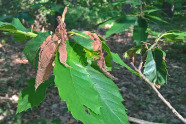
(30,34)
(159,95)
(74,33)
(156,41)
(139,121)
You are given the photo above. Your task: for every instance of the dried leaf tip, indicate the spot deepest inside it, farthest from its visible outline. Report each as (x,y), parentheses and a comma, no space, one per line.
(64,13)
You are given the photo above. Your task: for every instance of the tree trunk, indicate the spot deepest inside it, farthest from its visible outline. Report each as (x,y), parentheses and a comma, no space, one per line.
(168,8)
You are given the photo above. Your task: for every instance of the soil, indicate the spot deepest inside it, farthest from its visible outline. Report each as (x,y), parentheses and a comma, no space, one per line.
(140,100)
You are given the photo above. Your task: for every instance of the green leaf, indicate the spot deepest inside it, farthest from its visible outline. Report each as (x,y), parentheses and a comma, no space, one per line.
(18,25)
(17,29)
(112,110)
(155,18)
(115,57)
(118,60)
(151,10)
(139,32)
(175,35)
(109,21)
(75,85)
(26,17)
(153,32)
(121,25)
(155,67)
(84,40)
(83,86)
(33,46)
(56,8)
(134,50)
(28,98)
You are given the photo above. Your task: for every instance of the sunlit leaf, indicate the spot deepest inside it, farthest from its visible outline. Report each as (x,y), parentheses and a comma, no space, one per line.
(29,98)
(33,46)
(155,67)
(139,32)
(121,25)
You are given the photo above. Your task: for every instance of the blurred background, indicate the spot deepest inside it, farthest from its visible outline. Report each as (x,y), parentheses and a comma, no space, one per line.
(140,101)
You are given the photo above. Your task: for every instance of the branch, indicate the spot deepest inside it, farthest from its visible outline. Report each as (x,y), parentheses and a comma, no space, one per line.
(159,95)
(139,121)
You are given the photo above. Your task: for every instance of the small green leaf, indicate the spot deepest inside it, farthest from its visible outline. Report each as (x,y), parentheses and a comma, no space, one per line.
(33,46)
(134,50)
(84,40)
(155,67)
(115,57)
(17,29)
(175,35)
(118,60)
(109,21)
(18,25)
(155,18)
(151,10)
(120,25)
(139,33)
(28,98)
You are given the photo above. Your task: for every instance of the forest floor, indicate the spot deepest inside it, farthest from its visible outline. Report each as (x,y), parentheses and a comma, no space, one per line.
(141,102)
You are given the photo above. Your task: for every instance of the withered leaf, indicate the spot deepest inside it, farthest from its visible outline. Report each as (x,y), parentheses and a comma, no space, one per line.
(48,50)
(97,43)
(46,58)
(61,33)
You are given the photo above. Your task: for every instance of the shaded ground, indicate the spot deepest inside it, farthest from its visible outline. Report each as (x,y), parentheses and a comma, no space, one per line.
(140,100)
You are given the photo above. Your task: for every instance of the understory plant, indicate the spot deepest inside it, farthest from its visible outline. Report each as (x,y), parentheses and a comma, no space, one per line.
(80,68)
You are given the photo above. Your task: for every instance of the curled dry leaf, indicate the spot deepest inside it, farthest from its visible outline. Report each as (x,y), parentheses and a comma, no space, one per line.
(61,33)
(46,58)
(48,50)
(97,43)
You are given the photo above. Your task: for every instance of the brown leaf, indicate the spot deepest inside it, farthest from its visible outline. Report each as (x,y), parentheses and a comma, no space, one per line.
(61,33)
(97,43)
(46,58)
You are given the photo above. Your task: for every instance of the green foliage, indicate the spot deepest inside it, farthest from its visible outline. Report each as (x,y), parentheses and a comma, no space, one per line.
(121,24)
(83,40)
(140,31)
(175,35)
(29,98)
(32,47)
(112,109)
(155,67)
(82,86)
(133,51)
(17,29)
(115,57)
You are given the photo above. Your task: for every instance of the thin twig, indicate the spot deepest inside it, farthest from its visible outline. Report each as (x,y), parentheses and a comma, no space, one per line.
(139,121)
(159,95)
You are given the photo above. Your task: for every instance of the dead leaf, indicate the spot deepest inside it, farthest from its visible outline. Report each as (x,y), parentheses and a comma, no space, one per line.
(97,43)
(61,33)
(46,58)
